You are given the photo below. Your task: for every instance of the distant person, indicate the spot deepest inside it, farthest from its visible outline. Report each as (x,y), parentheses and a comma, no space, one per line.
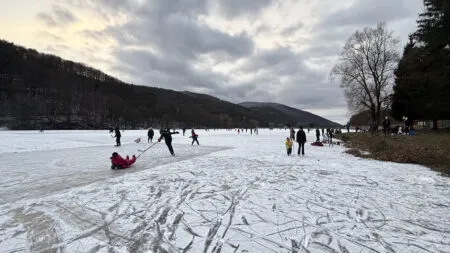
(184,130)
(301,139)
(330,137)
(289,143)
(323,131)
(292,136)
(167,136)
(150,135)
(194,137)
(386,125)
(118,135)
(317,135)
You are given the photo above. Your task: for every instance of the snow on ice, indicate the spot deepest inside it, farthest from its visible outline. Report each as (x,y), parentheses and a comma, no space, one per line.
(233,193)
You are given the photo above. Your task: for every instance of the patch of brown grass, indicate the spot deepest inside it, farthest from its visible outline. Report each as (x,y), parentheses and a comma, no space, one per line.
(431,149)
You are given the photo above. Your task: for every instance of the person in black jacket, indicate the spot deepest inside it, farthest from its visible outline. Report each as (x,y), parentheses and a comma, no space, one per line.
(301,139)
(386,126)
(167,136)
(118,135)
(150,135)
(317,135)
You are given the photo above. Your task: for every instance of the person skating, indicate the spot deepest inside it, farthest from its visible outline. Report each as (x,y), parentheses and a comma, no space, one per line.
(119,163)
(289,145)
(118,135)
(194,137)
(301,139)
(167,136)
(150,135)
(317,135)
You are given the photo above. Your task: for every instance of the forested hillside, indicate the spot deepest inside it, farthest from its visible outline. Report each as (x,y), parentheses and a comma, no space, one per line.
(44,91)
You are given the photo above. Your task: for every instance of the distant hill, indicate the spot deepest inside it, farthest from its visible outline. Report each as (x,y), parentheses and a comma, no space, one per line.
(295,116)
(44,91)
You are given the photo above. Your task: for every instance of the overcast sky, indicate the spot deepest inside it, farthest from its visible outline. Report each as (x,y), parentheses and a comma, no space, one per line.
(238,50)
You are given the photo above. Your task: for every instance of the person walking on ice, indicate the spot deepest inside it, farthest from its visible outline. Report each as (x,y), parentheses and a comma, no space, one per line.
(317,135)
(167,136)
(118,135)
(150,135)
(289,143)
(292,136)
(301,139)
(194,137)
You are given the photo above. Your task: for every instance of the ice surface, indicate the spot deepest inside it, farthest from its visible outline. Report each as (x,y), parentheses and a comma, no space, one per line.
(233,193)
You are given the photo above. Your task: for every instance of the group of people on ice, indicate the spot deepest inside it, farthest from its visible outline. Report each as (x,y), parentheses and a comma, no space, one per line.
(300,138)
(119,162)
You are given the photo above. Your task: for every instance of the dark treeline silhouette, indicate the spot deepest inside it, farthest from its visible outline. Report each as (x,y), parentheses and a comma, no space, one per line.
(422,87)
(44,91)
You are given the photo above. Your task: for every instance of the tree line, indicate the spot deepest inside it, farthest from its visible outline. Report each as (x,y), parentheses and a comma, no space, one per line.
(378,80)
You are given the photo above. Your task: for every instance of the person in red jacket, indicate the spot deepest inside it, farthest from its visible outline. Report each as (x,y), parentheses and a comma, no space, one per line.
(119,163)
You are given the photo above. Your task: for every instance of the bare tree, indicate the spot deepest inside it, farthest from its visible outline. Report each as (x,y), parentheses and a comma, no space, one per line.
(365,70)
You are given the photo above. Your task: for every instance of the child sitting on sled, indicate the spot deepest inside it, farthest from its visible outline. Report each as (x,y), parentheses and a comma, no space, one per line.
(119,163)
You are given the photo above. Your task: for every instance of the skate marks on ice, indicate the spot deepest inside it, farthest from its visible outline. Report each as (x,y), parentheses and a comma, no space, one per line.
(238,204)
(24,176)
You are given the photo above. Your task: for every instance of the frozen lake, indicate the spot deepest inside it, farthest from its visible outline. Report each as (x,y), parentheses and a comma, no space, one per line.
(233,193)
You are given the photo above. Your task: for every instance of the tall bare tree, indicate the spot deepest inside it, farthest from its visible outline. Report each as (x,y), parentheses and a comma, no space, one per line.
(365,70)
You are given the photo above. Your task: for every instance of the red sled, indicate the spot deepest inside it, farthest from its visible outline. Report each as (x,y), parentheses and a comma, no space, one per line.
(117,162)
(317,143)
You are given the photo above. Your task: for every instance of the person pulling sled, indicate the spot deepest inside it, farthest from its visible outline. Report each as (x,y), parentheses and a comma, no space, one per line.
(117,162)
(167,136)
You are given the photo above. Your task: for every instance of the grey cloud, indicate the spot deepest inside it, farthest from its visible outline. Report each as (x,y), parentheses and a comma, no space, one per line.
(58,16)
(99,36)
(325,49)
(233,8)
(166,71)
(47,19)
(49,35)
(178,34)
(368,12)
(292,29)
(281,61)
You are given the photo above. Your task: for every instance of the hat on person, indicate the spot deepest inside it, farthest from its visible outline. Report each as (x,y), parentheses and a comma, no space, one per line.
(114,155)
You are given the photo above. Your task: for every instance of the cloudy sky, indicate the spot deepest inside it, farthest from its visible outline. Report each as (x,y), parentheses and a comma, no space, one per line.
(238,50)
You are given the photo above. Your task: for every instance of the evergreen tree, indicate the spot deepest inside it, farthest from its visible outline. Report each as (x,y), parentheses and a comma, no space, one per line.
(422,86)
